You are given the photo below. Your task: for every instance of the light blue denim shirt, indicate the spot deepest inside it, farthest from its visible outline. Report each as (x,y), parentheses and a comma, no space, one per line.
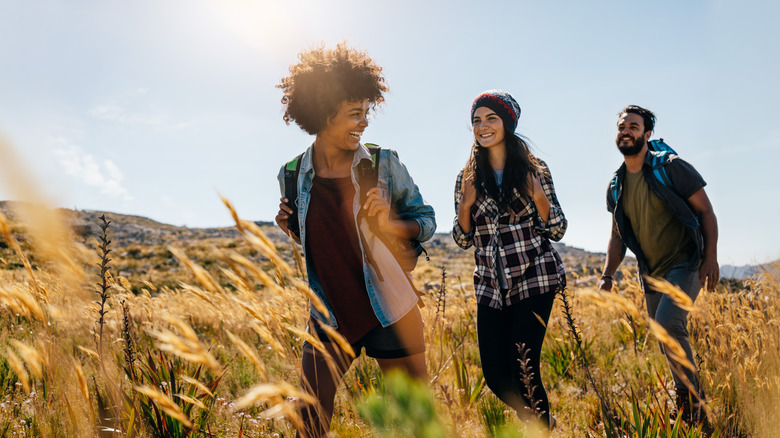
(405,198)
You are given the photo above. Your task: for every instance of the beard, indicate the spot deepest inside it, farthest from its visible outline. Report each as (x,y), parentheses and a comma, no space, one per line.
(633,148)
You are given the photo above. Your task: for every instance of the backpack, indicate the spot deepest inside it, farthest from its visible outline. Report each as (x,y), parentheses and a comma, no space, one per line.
(406,251)
(657,164)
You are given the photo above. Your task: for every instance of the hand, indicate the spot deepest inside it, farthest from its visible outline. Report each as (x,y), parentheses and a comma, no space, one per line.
(535,190)
(284,215)
(605,284)
(469,191)
(709,273)
(376,206)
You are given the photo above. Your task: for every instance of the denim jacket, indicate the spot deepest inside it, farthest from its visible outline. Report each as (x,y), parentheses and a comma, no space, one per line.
(390,300)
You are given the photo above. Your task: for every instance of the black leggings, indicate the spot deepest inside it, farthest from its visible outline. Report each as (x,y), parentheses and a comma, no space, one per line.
(499,332)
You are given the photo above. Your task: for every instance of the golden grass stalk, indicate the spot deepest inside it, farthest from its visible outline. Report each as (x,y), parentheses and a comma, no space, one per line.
(166,404)
(264,333)
(89,352)
(192,401)
(309,293)
(255,237)
(196,383)
(318,345)
(82,381)
(198,292)
(251,309)
(272,393)
(5,229)
(249,353)
(340,340)
(241,281)
(31,356)
(611,300)
(305,336)
(16,364)
(200,274)
(149,285)
(233,212)
(20,301)
(298,259)
(670,344)
(187,347)
(680,298)
(258,273)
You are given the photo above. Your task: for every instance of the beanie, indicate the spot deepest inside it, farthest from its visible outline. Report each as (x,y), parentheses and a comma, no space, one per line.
(504,105)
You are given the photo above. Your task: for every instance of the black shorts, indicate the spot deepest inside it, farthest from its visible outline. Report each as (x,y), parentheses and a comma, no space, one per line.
(401,339)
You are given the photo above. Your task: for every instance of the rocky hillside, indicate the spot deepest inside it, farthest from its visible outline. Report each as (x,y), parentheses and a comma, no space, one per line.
(141,246)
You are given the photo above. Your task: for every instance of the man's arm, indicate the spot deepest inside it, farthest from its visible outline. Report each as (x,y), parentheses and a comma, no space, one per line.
(615,256)
(709,271)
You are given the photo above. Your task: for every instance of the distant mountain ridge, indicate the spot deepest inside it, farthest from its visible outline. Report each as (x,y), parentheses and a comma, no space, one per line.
(131,229)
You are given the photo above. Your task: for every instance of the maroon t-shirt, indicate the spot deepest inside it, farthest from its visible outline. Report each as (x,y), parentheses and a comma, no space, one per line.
(333,246)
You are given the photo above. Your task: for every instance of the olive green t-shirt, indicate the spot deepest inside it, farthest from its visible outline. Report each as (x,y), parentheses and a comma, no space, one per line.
(662,237)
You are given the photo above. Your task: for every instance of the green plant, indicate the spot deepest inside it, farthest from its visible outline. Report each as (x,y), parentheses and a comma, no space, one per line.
(469,387)
(178,381)
(491,412)
(403,408)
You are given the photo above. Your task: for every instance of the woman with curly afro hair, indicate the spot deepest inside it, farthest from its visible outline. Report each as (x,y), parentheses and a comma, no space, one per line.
(368,299)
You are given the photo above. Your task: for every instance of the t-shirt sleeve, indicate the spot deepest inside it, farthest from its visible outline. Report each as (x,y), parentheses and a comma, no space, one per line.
(684,177)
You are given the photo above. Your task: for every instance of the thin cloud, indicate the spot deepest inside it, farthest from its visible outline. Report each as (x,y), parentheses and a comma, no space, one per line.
(105,175)
(116,113)
(135,108)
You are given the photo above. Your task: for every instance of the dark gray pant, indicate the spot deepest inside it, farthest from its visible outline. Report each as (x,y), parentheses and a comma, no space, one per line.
(665,312)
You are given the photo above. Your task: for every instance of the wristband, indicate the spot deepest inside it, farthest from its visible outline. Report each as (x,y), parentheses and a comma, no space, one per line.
(606,277)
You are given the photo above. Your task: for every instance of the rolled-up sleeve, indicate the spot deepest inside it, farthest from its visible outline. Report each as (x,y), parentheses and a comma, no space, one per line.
(407,199)
(555,226)
(462,239)
(280,178)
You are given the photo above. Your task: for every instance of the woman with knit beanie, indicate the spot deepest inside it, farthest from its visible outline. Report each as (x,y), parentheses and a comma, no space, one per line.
(507,209)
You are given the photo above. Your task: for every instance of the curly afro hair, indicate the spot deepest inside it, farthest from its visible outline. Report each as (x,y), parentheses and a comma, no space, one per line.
(323,79)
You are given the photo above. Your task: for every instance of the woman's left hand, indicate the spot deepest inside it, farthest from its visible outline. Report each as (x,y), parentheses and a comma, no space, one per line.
(539,197)
(376,206)
(535,189)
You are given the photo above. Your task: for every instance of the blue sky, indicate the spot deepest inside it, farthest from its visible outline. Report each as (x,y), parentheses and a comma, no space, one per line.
(154,107)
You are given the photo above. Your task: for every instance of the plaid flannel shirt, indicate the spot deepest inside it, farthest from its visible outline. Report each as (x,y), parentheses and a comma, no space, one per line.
(520,237)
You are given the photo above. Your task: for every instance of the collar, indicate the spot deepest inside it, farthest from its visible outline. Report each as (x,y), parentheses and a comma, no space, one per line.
(307,165)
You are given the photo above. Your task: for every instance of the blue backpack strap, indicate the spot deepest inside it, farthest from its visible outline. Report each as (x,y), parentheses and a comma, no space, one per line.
(660,146)
(658,166)
(613,188)
(291,171)
(659,160)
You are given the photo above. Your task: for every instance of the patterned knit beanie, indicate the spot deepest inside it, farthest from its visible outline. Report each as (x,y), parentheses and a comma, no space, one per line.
(504,105)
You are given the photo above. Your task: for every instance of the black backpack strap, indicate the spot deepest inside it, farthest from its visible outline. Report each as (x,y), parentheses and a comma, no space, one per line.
(291,171)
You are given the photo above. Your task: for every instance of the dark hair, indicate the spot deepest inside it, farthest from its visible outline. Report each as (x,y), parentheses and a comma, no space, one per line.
(647,116)
(519,162)
(323,79)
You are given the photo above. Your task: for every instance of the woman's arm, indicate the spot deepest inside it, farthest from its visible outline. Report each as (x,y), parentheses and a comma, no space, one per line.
(465,197)
(554,226)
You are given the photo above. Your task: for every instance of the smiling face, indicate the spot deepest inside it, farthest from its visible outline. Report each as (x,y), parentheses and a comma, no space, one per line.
(343,130)
(488,128)
(631,135)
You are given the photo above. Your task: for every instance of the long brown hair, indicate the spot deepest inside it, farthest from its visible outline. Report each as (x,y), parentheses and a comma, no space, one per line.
(519,163)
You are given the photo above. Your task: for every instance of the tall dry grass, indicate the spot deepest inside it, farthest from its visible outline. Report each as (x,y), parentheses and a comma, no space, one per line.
(219,356)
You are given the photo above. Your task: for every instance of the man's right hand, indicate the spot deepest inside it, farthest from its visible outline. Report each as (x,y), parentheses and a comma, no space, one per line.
(605,284)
